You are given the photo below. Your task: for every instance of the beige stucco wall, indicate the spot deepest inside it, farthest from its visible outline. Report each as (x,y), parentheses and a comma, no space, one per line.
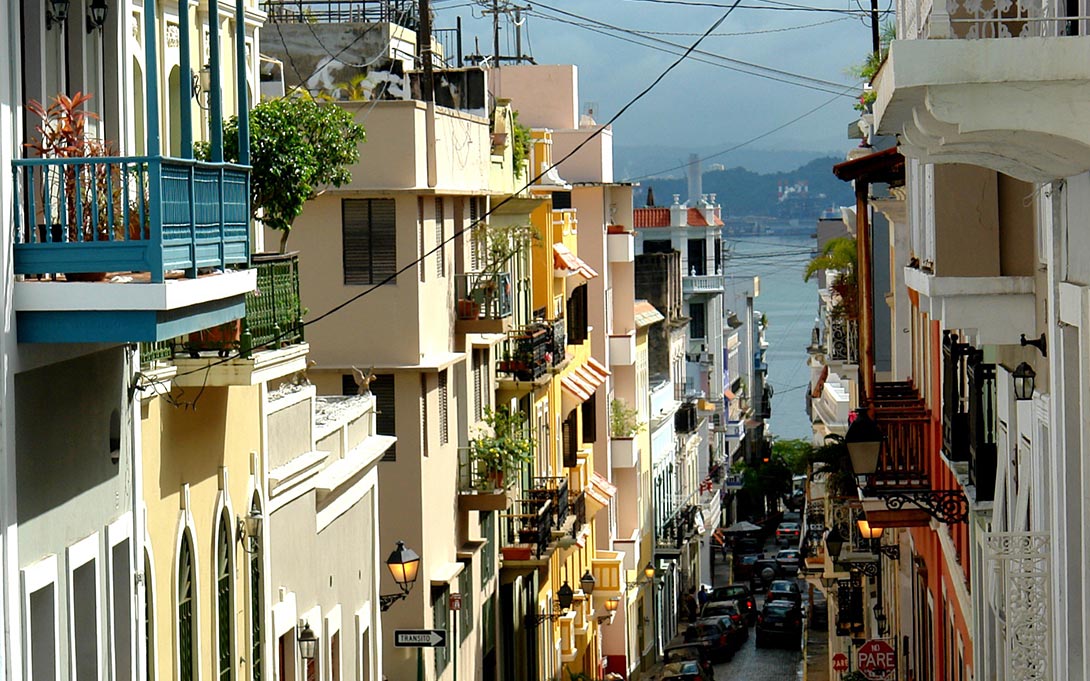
(187,455)
(966,222)
(525,87)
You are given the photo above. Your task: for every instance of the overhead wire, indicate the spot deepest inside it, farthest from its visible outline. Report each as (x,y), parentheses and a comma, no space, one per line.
(458,232)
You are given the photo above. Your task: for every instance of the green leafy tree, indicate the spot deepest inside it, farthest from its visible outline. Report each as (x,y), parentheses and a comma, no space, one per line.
(795,454)
(521,141)
(832,461)
(298,147)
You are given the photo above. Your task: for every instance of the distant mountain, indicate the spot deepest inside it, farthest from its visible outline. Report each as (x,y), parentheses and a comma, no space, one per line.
(638,161)
(810,188)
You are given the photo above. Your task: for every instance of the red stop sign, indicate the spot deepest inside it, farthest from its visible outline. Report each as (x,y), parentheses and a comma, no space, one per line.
(877,660)
(840,662)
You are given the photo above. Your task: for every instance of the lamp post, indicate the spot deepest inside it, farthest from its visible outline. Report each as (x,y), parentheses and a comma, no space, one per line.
(611,605)
(587,582)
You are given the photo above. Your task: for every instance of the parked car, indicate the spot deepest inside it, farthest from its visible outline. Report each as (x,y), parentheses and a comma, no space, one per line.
(779,621)
(784,590)
(788,533)
(689,651)
(744,545)
(717,635)
(743,565)
(729,613)
(684,671)
(740,595)
(788,562)
(764,572)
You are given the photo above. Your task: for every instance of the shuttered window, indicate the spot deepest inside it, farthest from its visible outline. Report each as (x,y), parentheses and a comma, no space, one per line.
(577,315)
(440,236)
(385,423)
(570,432)
(590,421)
(479,378)
(421,247)
(369,230)
(444,423)
(474,247)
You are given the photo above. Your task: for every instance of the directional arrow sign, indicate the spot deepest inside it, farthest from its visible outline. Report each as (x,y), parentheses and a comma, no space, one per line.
(420,638)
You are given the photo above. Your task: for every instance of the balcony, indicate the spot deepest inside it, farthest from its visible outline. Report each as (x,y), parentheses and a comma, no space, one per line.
(528,353)
(266,344)
(620,246)
(841,339)
(701,283)
(479,489)
(1013,102)
(608,570)
(685,418)
(143,220)
(484,302)
(624,452)
(622,349)
(982,427)
(528,534)
(998,308)
(955,398)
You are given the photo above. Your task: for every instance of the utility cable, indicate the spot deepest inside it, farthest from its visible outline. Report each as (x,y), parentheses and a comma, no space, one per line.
(457,233)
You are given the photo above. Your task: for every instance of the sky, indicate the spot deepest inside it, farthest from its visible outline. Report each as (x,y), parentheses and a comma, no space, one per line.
(699,105)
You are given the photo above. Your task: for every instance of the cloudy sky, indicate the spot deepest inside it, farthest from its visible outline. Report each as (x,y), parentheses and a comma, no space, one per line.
(702,104)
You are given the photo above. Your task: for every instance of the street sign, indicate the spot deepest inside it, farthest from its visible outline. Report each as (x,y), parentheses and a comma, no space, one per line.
(420,638)
(733,483)
(877,660)
(840,662)
(456,601)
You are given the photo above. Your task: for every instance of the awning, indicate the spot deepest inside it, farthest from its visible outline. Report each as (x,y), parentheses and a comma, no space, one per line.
(600,490)
(729,394)
(564,259)
(582,381)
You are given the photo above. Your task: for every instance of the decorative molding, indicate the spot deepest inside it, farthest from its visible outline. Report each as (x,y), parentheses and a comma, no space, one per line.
(1020,565)
(173,36)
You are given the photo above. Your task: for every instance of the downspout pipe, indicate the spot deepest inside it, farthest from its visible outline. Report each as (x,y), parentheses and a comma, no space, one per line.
(866,290)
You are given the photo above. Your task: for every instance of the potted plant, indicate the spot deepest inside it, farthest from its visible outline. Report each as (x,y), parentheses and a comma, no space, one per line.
(496,245)
(623,420)
(498,448)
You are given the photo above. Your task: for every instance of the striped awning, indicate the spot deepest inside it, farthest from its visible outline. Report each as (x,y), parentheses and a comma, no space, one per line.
(582,381)
(564,259)
(600,491)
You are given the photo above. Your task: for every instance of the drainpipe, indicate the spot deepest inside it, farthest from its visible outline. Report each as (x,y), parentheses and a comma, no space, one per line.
(866,292)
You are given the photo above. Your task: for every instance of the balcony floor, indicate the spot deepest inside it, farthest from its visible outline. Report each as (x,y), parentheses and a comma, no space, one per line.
(128,309)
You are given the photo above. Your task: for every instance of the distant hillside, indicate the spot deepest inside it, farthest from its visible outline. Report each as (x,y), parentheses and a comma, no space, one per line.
(637,161)
(742,192)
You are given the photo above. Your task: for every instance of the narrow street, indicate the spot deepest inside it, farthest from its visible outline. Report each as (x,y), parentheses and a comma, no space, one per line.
(765,664)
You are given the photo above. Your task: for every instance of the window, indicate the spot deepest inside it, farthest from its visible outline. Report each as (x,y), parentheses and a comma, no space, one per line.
(440,612)
(561,200)
(465,587)
(697,325)
(185,610)
(577,315)
(697,261)
(589,408)
(718,255)
(570,434)
(475,247)
(121,607)
(369,231)
(657,246)
(84,618)
(383,389)
(440,237)
(41,638)
(421,248)
(257,609)
(335,657)
(488,551)
(444,423)
(480,369)
(488,625)
(224,599)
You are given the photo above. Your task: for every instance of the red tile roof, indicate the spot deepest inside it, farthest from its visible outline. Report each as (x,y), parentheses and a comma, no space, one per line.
(564,259)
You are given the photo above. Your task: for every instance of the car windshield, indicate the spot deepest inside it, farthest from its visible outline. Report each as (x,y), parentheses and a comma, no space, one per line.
(720,609)
(682,653)
(783,585)
(778,610)
(789,526)
(788,553)
(724,592)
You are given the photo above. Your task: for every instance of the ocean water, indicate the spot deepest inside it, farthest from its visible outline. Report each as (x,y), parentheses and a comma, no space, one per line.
(790,305)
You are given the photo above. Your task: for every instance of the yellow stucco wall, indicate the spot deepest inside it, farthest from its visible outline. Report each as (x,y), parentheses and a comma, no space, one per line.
(184,451)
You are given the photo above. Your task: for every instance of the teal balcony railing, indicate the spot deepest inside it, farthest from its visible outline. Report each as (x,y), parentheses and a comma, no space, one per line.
(151,354)
(484,296)
(131,214)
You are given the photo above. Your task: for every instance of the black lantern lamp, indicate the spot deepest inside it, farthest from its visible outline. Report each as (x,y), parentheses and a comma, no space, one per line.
(96,15)
(587,582)
(56,12)
(1024,381)
(834,543)
(404,564)
(564,597)
(249,531)
(864,442)
(308,642)
(880,620)
(649,571)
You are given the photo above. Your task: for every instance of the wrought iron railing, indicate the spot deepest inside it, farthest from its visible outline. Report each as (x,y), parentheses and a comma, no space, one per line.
(531,524)
(842,339)
(524,352)
(401,12)
(579,510)
(558,341)
(274,315)
(153,353)
(955,398)
(1019,19)
(555,490)
(141,214)
(982,426)
(904,419)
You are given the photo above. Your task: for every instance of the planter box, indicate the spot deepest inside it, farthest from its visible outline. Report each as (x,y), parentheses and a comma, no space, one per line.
(491,500)
(517,552)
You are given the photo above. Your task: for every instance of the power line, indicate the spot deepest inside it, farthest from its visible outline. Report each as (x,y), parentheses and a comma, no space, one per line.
(739,62)
(457,233)
(779,6)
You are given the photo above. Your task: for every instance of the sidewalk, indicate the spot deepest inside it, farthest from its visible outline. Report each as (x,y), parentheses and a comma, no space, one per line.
(815,656)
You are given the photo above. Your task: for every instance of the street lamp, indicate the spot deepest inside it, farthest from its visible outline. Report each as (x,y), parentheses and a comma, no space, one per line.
(649,570)
(96,15)
(404,564)
(1024,379)
(308,642)
(834,543)
(611,605)
(864,441)
(564,597)
(587,582)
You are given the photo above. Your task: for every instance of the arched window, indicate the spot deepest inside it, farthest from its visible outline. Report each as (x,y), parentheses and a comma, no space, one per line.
(257,604)
(185,609)
(224,599)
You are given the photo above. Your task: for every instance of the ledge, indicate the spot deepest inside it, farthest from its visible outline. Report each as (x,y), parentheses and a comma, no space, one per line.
(998,308)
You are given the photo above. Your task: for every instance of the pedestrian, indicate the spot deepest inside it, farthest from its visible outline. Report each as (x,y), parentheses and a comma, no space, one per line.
(702,596)
(691,606)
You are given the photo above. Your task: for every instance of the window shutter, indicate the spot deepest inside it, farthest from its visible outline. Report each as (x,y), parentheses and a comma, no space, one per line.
(444,424)
(478,383)
(424,413)
(440,254)
(571,440)
(590,421)
(383,389)
(369,233)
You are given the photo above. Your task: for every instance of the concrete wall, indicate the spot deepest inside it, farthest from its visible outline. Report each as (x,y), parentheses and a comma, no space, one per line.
(966,222)
(69,488)
(524,86)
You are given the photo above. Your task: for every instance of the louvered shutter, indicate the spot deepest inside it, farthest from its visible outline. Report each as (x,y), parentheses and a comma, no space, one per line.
(440,254)
(385,423)
(570,430)
(369,232)
(590,421)
(444,424)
